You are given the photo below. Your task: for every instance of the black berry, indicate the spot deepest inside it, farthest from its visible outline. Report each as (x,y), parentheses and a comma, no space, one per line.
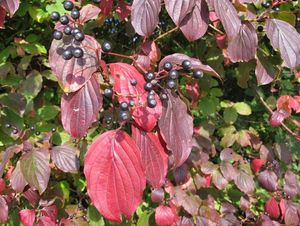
(186,65)
(148,87)
(108,93)
(124,106)
(15,131)
(79,36)
(96,1)
(171,83)
(75,14)
(124,115)
(55,16)
(152,103)
(68,30)
(32,128)
(106,47)
(131,103)
(266,4)
(149,76)
(67,54)
(75,31)
(7,125)
(276,9)
(260,28)
(64,20)
(133,82)
(68,5)
(173,74)
(168,66)
(150,97)
(197,74)
(163,96)
(53,130)
(77,52)
(37,133)
(57,35)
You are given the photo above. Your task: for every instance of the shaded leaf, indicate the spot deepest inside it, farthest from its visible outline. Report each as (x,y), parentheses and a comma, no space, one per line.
(88,12)
(284,37)
(65,158)
(14,101)
(157,195)
(228,171)
(32,85)
(176,128)
(17,179)
(291,216)
(154,158)
(218,180)
(80,109)
(268,179)
(291,185)
(114,174)
(144,16)
(123,9)
(35,168)
(3,210)
(244,182)
(265,71)
(11,6)
(74,73)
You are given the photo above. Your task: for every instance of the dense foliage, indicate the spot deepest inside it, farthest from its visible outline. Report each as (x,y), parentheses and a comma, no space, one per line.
(149,112)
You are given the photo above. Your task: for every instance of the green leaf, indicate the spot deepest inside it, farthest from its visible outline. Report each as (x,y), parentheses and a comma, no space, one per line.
(4,54)
(15,101)
(94,217)
(47,113)
(287,16)
(144,219)
(8,116)
(230,115)
(208,105)
(242,108)
(64,188)
(37,14)
(32,85)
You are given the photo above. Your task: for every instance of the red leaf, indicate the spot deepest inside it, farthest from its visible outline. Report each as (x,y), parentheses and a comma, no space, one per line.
(2,185)
(243,46)
(144,16)
(177,58)
(106,6)
(74,73)
(286,38)
(144,116)
(46,221)
(221,40)
(291,185)
(87,13)
(150,49)
(193,90)
(195,24)
(182,174)
(228,16)
(157,195)
(272,208)
(179,9)
(17,179)
(65,158)
(123,10)
(165,216)
(278,117)
(80,109)
(256,165)
(3,210)
(32,196)
(50,211)
(11,6)
(268,180)
(2,17)
(176,128)
(27,217)
(114,174)
(154,158)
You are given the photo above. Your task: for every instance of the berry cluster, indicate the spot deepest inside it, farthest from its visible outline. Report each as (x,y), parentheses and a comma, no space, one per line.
(26,126)
(74,32)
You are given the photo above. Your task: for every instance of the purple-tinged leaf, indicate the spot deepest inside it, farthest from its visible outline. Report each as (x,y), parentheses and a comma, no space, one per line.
(8,154)
(74,73)
(182,174)
(243,46)
(157,195)
(3,210)
(228,171)
(228,16)
(268,180)
(283,153)
(154,158)
(292,216)
(177,58)
(284,37)
(32,196)
(176,128)
(88,12)
(11,6)
(17,179)
(195,23)
(35,168)
(80,109)
(144,16)
(291,185)
(245,182)
(218,180)
(179,9)
(278,117)
(65,158)
(265,72)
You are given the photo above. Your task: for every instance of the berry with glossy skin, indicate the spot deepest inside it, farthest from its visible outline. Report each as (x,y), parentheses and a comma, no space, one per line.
(150,97)
(53,130)
(77,52)
(68,30)
(15,131)
(96,1)
(124,115)
(37,133)
(75,14)
(124,106)
(68,5)
(55,16)
(197,74)
(260,28)
(152,103)
(171,83)
(131,103)
(186,65)
(266,4)
(108,92)
(148,86)
(75,31)
(7,125)
(106,47)
(276,9)
(64,20)
(67,54)
(173,74)
(79,36)
(149,76)
(133,82)
(168,66)
(32,128)
(57,35)
(163,96)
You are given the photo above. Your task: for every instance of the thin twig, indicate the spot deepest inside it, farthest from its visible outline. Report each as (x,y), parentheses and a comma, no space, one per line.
(166,33)
(216,29)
